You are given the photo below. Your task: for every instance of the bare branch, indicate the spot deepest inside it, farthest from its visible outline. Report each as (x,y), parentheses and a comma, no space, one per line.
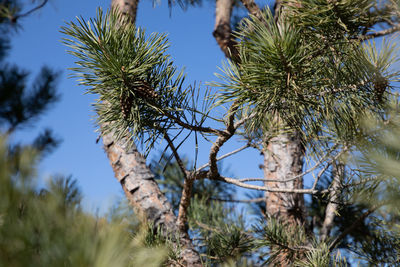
(187,188)
(193,127)
(254,200)
(225,156)
(230,131)
(176,155)
(300,175)
(331,208)
(18,16)
(381,33)
(327,166)
(264,188)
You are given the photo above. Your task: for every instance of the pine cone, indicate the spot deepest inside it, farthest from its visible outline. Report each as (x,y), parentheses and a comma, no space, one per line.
(144,90)
(141,89)
(126,104)
(380,85)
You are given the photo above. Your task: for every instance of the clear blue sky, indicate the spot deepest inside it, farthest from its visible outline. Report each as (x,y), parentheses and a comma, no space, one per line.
(191,45)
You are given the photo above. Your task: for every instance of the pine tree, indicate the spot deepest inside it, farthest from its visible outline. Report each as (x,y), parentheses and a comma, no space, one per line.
(298,87)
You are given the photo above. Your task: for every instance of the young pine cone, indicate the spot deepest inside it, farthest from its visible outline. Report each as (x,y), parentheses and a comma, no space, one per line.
(141,89)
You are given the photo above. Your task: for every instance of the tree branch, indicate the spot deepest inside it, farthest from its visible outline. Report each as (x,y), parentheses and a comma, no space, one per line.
(18,16)
(254,200)
(381,33)
(327,166)
(230,131)
(264,188)
(225,156)
(331,208)
(253,8)
(186,190)
(222,29)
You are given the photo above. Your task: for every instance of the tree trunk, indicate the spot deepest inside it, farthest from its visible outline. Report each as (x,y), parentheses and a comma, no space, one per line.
(138,182)
(283,158)
(145,196)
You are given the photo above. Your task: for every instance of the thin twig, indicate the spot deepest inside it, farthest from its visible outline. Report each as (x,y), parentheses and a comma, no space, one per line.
(193,127)
(254,200)
(297,176)
(331,208)
(16,17)
(327,166)
(186,190)
(381,33)
(264,188)
(225,156)
(176,155)
(230,131)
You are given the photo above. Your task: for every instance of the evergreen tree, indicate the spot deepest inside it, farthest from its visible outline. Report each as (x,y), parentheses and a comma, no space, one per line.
(20,104)
(308,76)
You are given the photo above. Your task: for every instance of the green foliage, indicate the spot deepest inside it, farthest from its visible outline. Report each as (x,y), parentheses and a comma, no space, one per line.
(21,105)
(140,90)
(307,82)
(282,238)
(309,71)
(50,229)
(18,105)
(321,256)
(335,19)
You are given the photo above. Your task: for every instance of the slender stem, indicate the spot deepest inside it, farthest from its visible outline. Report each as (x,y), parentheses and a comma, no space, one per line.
(264,188)
(230,131)
(327,166)
(381,33)
(331,208)
(254,200)
(187,187)
(225,156)
(16,17)
(176,155)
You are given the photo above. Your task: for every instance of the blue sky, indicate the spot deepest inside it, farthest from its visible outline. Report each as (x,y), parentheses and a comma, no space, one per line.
(192,46)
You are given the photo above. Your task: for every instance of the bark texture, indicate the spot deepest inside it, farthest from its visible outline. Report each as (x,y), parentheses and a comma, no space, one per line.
(283,158)
(138,182)
(222,29)
(145,196)
(126,7)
